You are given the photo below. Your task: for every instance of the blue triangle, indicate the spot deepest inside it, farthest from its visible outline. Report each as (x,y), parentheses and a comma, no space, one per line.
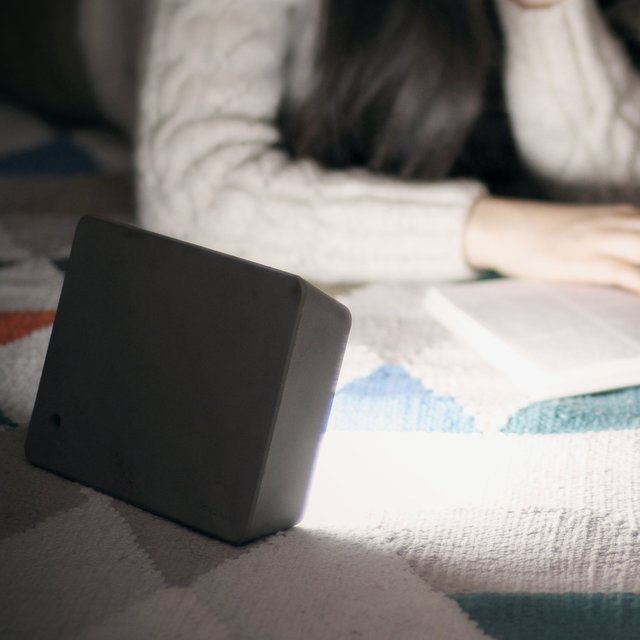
(391,400)
(60,156)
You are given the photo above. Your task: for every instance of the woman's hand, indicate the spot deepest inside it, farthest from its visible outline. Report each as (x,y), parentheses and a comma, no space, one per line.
(597,244)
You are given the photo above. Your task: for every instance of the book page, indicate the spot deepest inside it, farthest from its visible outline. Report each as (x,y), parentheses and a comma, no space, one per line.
(554,326)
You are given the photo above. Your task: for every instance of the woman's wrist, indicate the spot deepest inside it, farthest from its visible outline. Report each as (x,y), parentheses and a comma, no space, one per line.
(482,228)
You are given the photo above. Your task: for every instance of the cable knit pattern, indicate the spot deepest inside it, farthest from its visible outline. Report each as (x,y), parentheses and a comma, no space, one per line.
(209,171)
(210,174)
(574,100)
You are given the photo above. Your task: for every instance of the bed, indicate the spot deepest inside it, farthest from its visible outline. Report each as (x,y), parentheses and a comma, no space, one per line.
(444,504)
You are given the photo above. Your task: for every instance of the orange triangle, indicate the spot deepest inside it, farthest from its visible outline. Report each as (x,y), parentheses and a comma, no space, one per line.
(19,324)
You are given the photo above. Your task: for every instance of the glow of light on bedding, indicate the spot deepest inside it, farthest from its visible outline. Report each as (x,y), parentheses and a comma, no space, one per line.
(359,474)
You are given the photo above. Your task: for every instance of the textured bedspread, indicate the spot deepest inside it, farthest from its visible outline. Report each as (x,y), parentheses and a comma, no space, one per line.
(443,504)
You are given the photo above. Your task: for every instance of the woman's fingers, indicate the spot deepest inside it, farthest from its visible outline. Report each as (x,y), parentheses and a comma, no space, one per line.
(598,244)
(614,273)
(621,245)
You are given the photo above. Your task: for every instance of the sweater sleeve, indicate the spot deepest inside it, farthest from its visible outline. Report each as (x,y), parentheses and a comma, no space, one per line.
(210,172)
(574,101)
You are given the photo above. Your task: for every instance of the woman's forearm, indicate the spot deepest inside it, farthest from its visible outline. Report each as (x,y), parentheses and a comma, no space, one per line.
(209,171)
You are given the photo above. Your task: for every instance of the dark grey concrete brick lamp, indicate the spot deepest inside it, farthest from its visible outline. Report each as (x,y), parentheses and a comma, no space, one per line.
(187,382)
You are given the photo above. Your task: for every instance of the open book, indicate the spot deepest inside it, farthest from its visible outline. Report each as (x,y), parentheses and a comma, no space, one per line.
(552,339)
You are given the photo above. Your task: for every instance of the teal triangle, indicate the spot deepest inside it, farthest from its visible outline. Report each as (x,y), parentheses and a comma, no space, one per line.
(614,410)
(560,616)
(6,421)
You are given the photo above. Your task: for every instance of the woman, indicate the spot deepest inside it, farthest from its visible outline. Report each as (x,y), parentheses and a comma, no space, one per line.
(213,170)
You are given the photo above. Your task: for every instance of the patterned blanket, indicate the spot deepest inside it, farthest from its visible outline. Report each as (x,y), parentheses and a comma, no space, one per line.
(443,504)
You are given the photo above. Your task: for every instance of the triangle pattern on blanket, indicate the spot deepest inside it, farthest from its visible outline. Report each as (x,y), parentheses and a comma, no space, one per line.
(180,554)
(15,325)
(612,410)
(554,616)
(390,399)
(6,421)
(59,156)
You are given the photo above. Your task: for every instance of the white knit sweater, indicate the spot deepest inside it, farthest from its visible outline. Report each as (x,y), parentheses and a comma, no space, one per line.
(208,172)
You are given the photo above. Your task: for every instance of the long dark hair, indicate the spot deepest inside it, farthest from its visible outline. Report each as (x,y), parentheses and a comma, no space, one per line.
(398,85)
(413,88)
